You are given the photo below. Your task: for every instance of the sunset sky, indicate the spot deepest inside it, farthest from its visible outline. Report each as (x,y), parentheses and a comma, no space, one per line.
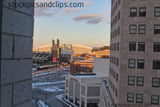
(89,25)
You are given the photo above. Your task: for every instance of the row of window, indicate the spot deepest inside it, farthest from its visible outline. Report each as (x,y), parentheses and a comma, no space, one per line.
(115,19)
(111,98)
(114,47)
(114,60)
(115,6)
(140,81)
(141,46)
(142,12)
(114,89)
(141,62)
(139,98)
(113,74)
(132,46)
(142,29)
(115,33)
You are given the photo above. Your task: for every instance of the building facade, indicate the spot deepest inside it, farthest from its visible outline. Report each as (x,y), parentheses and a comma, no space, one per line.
(16,37)
(84,90)
(135,53)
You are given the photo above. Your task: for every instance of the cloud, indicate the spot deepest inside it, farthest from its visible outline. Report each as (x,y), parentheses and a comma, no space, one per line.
(67,10)
(67,0)
(95,20)
(89,3)
(70,10)
(91,18)
(45,12)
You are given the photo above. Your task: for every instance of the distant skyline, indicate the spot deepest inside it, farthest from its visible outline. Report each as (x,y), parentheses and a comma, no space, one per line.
(88,26)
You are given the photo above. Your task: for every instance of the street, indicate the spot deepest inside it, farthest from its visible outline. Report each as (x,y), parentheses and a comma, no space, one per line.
(47,84)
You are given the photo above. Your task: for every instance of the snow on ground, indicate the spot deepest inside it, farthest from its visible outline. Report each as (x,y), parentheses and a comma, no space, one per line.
(42,74)
(60,97)
(52,89)
(42,104)
(47,83)
(48,88)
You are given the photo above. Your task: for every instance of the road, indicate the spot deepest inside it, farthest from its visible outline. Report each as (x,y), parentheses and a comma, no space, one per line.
(49,83)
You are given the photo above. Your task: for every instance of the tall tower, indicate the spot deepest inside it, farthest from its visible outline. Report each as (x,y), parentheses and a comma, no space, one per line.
(57,43)
(135,53)
(53,43)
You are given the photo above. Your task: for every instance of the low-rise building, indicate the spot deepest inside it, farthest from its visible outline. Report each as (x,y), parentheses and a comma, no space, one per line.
(89,90)
(84,90)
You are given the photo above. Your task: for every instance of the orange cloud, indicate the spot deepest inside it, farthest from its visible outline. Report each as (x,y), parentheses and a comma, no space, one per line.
(91,18)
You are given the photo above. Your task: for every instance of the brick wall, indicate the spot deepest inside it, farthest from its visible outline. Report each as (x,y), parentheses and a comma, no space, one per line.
(16,56)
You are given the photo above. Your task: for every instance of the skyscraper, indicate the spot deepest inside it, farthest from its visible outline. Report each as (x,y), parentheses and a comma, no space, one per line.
(135,53)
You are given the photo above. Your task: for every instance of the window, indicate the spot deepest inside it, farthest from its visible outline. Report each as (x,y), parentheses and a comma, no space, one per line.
(119,1)
(131,80)
(139,98)
(131,63)
(118,46)
(142,12)
(132,46)
(116,92)
(133,29)
(130,97)
(140,81)
(156,64)
(156,46)
(140,63)
(141,46)
(142,29)
(157,11)
(117,61)
(118,30)
(119,15)
(155,82)
(133,12)
(156,29)
(116,77)
(154,99)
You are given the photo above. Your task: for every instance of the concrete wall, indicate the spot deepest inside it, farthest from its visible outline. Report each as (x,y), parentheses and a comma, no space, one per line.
(101,67)
(16,56)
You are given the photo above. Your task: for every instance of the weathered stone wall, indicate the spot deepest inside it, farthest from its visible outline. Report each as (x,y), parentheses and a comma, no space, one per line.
(16,56)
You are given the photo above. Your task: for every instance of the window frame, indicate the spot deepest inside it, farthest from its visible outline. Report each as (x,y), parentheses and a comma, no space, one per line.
(154,48)
(142,29)
(133,14)
(140,13)
(131,44)
(140,81)
(154,99)
(155,68)
(140,43)
(155,29)
(154,81)
(139,98)
(131,80)
(130,97)
(156,11)
(138,66)
(132,63)
(130,30)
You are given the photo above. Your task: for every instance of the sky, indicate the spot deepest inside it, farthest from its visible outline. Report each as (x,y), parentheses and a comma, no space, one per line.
(88,25)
